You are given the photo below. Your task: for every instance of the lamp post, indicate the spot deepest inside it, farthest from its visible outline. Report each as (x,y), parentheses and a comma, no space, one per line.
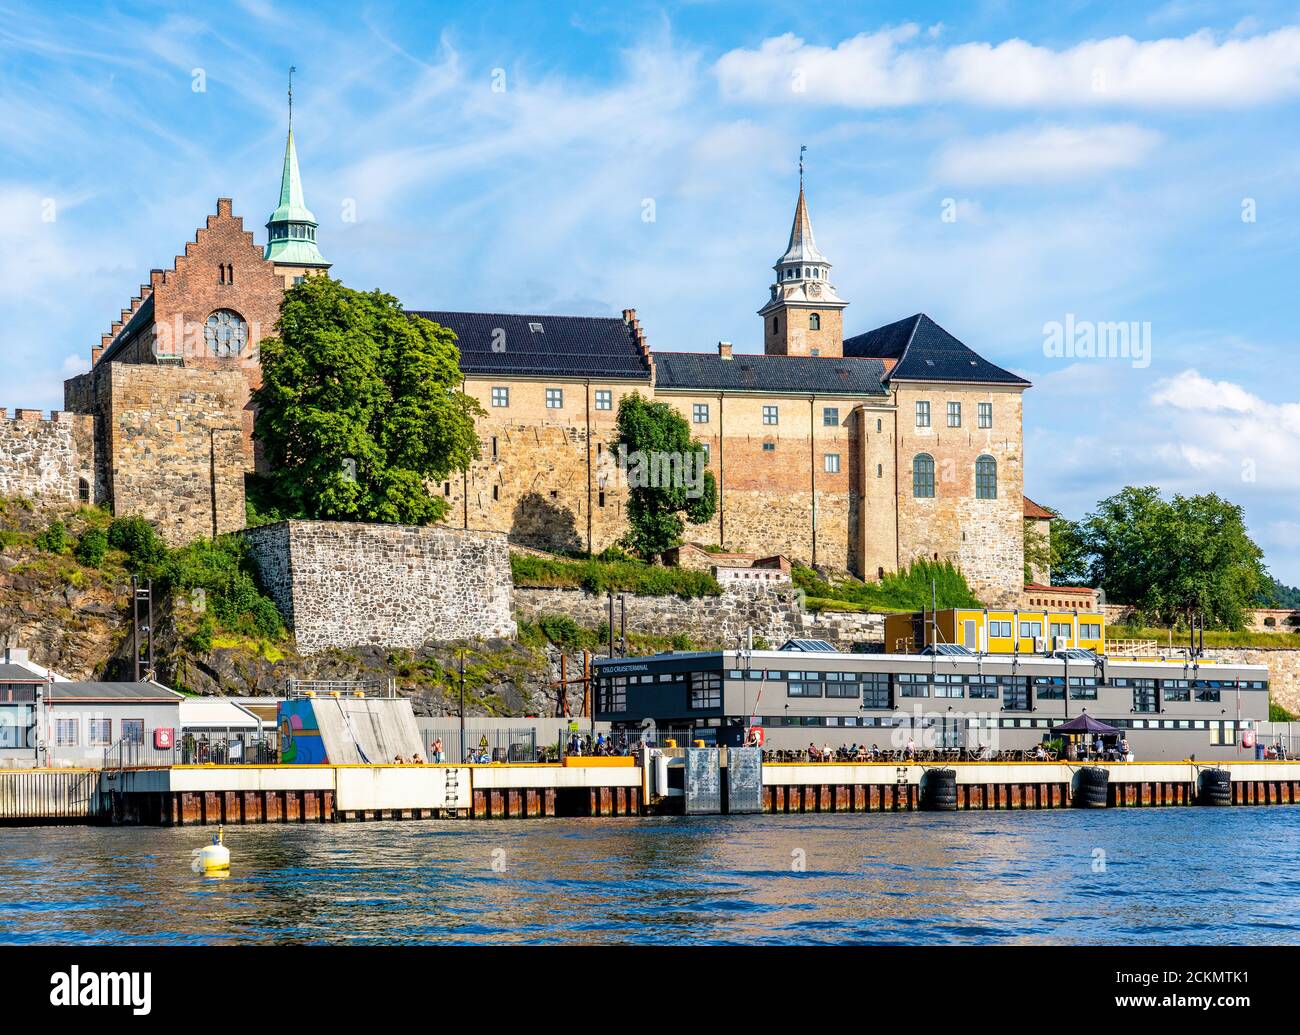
(462,702)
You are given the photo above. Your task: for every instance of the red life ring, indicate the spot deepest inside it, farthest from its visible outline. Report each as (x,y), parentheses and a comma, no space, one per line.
(1248,738)
(756,735)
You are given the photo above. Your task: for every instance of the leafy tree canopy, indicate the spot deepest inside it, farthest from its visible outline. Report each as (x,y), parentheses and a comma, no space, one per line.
(360,407)
(1171,559)
(667,482)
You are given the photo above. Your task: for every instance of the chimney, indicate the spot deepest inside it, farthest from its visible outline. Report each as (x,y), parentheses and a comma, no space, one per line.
(724,350)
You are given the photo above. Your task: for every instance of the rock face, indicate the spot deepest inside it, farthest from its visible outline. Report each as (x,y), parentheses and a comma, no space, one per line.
(346,584)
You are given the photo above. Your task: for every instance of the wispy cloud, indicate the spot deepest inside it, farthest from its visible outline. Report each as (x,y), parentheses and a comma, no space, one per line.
(1046,153)
(901,67)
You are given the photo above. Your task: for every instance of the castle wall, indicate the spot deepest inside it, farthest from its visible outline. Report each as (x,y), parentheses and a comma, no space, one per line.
(532,480)
(347,584)
(47,460)
(174,447)
(984,537)
(773,613)
(767,494)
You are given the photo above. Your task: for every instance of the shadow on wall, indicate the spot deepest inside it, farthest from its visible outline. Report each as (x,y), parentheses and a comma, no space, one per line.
(544,524)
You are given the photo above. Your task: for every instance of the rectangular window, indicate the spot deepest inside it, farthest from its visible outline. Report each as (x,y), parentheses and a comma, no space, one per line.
(986,415)
(983,686)
(613,694)
(912,685)
(770,415)
(1031,629)
(1090,630)
(99,732)
(706,690)
(832,463)
(1177,689)
(922,414)
(67,732)
(769,447)
(841,689)
(604,399)
(793,689)
(554,398)
(1083,688)
(700,413)
(875,689)
(1144,695)
(1049,688)
(133,731)
(500,396)
(831,416)
(1015,693)
(954,415)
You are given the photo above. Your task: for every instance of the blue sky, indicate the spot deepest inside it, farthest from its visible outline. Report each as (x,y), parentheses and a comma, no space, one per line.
(1101,164)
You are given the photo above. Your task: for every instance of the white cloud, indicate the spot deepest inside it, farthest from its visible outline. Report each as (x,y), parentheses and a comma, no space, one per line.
(1046,153)
(893,68)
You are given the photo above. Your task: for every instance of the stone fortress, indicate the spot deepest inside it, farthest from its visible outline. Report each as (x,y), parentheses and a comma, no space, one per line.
(860,453)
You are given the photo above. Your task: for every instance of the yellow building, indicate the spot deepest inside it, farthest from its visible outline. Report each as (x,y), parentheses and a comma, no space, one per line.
(996,631)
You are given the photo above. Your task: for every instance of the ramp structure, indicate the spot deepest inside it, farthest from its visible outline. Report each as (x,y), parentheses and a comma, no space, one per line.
(348,730)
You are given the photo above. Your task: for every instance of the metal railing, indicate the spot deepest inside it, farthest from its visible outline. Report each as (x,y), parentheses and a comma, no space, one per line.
(234,748)
(342,687)
(482,746)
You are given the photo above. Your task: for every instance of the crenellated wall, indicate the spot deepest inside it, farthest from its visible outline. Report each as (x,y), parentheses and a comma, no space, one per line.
(48,459)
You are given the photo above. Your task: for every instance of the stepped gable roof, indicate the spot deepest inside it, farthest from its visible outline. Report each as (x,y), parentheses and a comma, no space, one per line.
(564,346)
(924,351)
(751,372)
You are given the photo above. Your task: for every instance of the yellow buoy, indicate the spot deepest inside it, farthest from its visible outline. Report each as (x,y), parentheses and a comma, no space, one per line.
(215,858)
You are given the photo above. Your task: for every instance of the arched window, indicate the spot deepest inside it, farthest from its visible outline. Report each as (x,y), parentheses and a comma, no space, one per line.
(986,478)
(814,321)
(226,333)
(923,476)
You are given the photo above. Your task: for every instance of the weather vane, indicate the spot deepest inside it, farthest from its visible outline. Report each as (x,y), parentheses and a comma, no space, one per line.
(802,149)
(292,69)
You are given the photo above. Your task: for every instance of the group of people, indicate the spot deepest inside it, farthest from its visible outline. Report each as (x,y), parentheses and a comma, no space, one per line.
(615,744)
(415,759)
(1117,750)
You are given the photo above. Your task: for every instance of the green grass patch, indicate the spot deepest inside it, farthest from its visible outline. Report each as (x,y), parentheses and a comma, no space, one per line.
(1213,637)
(601,576)
(906,590)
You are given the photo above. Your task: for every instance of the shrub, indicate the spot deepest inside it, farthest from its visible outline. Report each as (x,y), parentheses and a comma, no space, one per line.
(561,630)
(200,641)
(219,575)
(597,576)
(54,539)
(92,546)
(139,540)
(905,590)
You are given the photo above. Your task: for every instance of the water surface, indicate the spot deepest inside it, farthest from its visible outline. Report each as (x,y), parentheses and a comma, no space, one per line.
(1155,876)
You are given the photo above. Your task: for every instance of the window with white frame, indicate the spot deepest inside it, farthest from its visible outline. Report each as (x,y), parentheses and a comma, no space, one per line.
(99,732)
(954,415)
(67,732)
(604,399)
(922,414)
(770,414)
(985,412)
(700,413)
(832,463)
(500,396)
(554,398)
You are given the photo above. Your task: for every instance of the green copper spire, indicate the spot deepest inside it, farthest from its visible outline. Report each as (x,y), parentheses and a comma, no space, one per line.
(291,230)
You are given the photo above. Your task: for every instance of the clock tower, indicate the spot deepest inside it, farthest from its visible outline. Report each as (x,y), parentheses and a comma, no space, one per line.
(803,316)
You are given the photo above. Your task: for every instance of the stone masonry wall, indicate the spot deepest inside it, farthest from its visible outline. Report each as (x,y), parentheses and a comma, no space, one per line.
(47,461)
(1283,670)
(773,614)
(346,584)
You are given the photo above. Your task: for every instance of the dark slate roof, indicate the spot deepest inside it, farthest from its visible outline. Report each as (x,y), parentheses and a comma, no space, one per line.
(748,372)
(926,352)
(10,673)
(566,346)
(142,691)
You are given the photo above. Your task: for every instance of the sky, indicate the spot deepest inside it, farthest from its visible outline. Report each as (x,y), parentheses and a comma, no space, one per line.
(1025,174)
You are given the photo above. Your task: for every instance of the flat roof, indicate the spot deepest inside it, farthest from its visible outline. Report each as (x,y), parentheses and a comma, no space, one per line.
(216,713)
(11,673)
(112,693)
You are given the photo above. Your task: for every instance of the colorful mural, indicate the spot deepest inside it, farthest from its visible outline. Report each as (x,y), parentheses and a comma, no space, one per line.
(300,739)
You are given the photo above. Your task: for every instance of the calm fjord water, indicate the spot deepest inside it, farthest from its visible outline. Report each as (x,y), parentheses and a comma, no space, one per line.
(1157,876)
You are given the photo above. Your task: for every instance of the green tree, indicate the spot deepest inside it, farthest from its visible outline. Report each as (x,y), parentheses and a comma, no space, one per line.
(360,407)
(1038,550)
(1174,559)
(1069,553)
(667,482)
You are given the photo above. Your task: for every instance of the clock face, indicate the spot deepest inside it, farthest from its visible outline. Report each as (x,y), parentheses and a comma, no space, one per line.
(226,333)
(815,290)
